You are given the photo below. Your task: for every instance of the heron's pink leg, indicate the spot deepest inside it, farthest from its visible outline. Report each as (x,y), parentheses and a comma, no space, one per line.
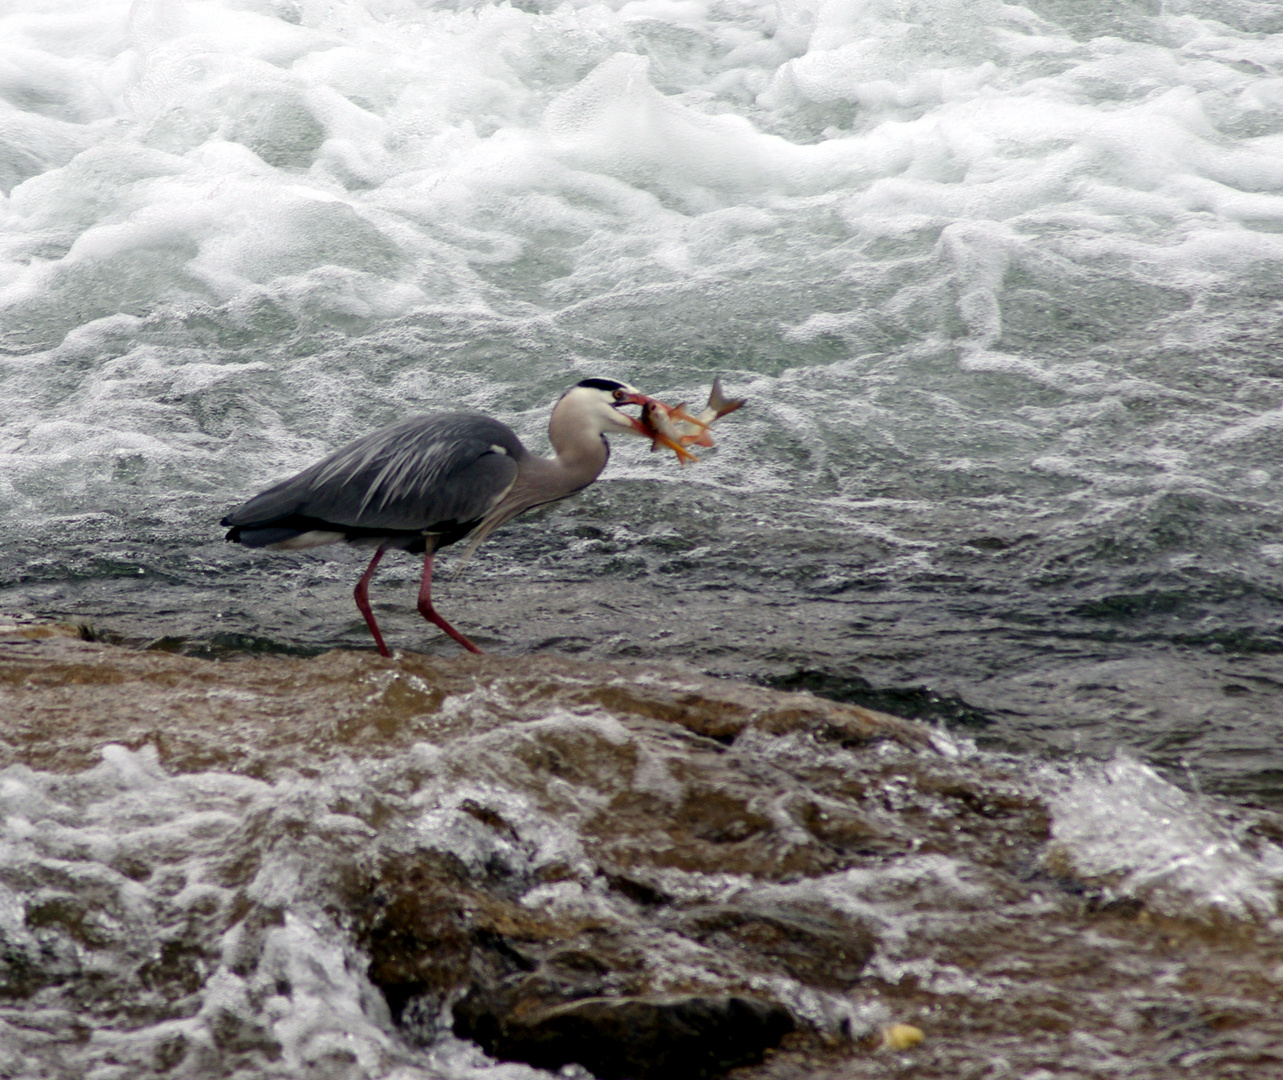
(430,613)
(362,595)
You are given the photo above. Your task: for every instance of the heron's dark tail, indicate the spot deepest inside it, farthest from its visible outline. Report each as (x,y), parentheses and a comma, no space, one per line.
(264,536)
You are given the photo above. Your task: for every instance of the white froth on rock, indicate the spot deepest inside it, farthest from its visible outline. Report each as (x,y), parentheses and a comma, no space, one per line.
(1123,828)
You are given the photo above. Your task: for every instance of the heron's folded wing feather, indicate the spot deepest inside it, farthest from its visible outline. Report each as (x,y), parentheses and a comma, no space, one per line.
(422,473)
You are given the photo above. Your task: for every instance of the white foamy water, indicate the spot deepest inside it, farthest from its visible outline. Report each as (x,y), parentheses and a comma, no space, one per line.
(1125,828)
(820,198)
(1000,283)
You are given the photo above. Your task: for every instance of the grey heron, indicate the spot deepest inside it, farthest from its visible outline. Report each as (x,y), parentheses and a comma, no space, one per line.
(429,481)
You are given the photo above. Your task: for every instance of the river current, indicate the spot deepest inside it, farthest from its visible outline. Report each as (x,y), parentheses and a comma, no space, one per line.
(1000,282)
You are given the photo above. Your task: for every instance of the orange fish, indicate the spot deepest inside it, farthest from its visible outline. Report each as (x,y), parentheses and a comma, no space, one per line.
(657,418)
(673,427)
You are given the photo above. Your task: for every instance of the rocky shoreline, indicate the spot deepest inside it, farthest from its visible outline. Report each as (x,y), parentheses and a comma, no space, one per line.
(631,869)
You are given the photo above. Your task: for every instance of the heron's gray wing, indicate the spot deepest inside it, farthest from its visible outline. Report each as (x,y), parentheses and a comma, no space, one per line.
(416,475)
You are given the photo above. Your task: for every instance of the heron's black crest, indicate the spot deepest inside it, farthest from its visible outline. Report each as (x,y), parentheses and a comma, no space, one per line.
(603,384)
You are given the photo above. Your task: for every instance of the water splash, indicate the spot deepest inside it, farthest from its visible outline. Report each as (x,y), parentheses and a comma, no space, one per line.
(1121,827)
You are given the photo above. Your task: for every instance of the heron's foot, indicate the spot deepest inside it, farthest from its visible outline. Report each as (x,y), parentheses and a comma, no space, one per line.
(430,613)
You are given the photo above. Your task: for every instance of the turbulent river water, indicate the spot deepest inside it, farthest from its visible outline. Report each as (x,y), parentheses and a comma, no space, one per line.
(1002,286)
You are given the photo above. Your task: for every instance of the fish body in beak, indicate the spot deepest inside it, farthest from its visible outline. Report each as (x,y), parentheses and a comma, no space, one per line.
(657,419)
(676,429)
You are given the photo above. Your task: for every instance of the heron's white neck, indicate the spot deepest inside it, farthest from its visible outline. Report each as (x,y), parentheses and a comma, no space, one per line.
(579,455)
(580,452)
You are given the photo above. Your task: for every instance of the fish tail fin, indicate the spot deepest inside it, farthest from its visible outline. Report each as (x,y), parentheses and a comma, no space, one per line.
(719,402)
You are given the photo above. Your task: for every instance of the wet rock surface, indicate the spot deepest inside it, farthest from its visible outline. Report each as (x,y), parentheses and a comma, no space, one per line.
(260,715)
(821,946)
(363,867)
(688,1036)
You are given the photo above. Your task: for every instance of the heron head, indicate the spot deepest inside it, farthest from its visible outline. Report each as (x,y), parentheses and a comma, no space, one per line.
(603,399)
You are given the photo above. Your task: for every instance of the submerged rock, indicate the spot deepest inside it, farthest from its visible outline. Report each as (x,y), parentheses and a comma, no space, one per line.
(640,1038)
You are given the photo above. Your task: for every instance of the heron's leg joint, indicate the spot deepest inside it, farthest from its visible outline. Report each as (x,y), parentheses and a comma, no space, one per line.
(362,596)
(430,613)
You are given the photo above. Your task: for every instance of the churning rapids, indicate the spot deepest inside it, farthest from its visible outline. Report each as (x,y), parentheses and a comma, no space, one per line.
(1001,283)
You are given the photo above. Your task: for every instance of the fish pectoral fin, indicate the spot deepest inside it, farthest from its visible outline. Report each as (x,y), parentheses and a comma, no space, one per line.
(672,444)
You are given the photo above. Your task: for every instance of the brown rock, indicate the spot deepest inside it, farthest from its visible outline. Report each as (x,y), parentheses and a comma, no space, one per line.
(814,943)
(637,1038)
